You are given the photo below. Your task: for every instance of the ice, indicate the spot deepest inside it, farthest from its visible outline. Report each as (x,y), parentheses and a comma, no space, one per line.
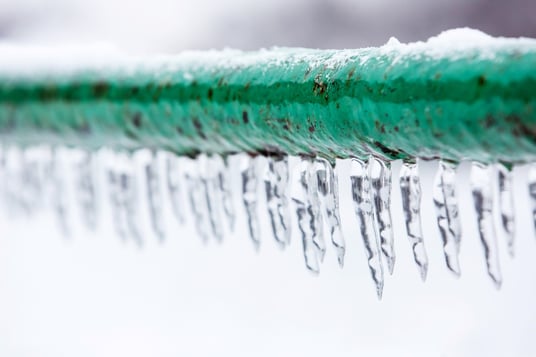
(124,197)
(173,180)
(197,198)
(210,168)
(58,192)
(250,182)
(307,221)
(85,189)
(380,181)
(154,196)
(410,187)
(328,191)
(482,188)
(318,222)
(506,206)
(363,206)
(276,183)
(224,182)
(446,203)
(532,191)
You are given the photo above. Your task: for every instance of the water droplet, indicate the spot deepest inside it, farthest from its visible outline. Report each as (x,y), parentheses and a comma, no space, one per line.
(249,173)
(483,198)
(85,189)
(276,185)
(328,190)
(306,217)
(444,195)
(506,206)
(173,179)
(363,206)
(380,181)
(410,187)
(154,196)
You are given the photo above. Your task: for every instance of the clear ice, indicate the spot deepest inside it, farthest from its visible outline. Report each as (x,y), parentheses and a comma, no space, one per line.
(154,196)
(124,197)
(224,180)
(276,184)
(363,206)
(85,189)
(448,222)
(506,206)
(173,180)
(532,191)
(328,190)
(57,192)
(197,198)
(410,187)
(380,182)
(250,182)
(483,198)
(210,169)
(307,221)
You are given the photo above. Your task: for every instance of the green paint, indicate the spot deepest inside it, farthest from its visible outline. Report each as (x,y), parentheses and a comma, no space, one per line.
(336,104)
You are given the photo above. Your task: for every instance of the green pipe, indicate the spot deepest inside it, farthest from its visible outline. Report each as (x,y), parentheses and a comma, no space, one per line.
(400,101)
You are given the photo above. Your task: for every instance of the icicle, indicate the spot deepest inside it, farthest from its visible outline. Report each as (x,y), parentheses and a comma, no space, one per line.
(58,193)
(364,211)
(446,204)
(248,170)
(210,169)
(85,189)
(226,194)
(329,196)
(483,196)
(306,218)
(124,197)
(380,181)
(31,183)
(154,196)
(506,205)
(197,198)
(118,212)
(174,186)
(410,188)
(276,184)
(532,191)
(129,194)
(318,222)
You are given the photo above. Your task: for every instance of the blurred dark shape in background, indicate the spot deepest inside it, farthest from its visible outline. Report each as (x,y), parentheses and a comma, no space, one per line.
(171,26)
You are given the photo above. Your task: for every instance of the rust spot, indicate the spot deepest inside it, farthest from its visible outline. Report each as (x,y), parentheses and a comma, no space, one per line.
(134,90)
(210,93)
(245,117)
(396,128)
(311,128)
(481,80)
(100,88)
(319,87)
(136,119)
(198,127)
(489,121)
(389,152)
(351,73)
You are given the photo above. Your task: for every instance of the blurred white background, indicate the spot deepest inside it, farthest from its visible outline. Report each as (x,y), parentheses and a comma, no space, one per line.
(93,295)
